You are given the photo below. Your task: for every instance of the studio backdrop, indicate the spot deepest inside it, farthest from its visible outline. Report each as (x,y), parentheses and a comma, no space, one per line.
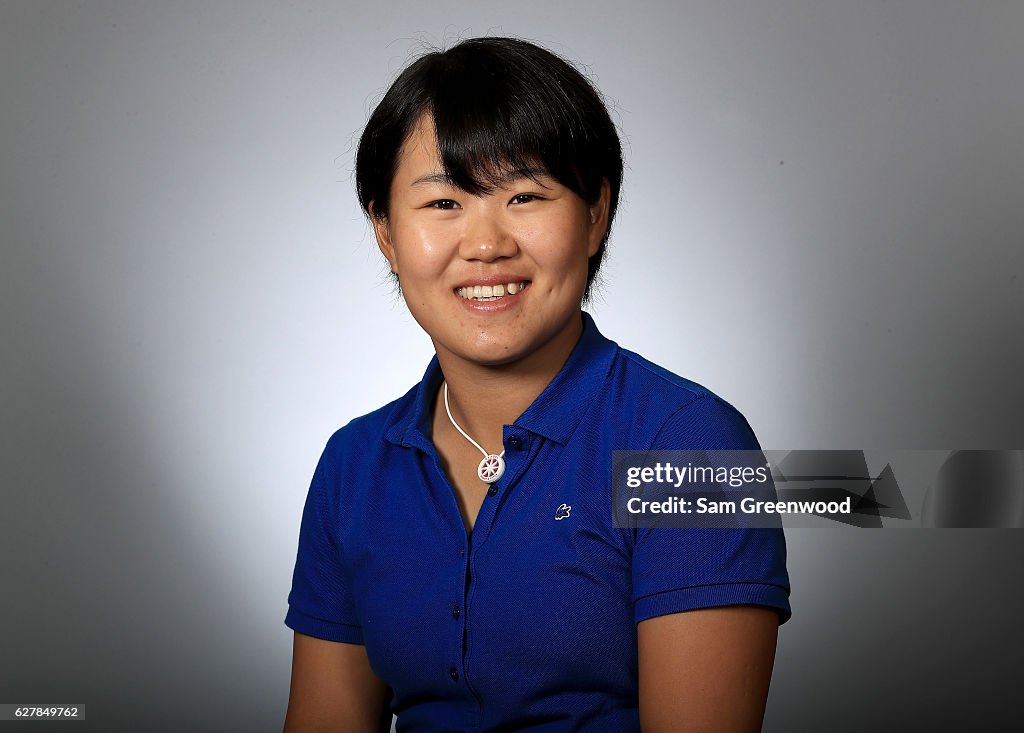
(821,221)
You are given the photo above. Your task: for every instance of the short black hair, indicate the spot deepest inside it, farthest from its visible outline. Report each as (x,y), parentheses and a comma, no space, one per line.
(498,105)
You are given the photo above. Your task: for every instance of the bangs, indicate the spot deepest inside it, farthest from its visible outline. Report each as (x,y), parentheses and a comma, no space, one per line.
(482,149)
(492,125)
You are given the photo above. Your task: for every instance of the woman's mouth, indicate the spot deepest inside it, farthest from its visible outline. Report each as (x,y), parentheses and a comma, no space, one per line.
(490,293)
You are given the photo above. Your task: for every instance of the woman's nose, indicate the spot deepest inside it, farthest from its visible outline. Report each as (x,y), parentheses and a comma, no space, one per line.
(486,238)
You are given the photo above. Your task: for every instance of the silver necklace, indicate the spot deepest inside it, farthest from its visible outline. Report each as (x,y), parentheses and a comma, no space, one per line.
(492,466)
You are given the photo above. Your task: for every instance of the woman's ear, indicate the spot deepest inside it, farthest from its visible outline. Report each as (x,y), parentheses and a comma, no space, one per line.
(383,233)
(599,218)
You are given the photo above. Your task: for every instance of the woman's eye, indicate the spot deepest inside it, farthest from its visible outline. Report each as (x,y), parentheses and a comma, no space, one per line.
(445,204)
(524,198)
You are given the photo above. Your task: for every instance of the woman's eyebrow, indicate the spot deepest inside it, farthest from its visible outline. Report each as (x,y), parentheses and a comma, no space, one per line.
(534,174)
(434,177)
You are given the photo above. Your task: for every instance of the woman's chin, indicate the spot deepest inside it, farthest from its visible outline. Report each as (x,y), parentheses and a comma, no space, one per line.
(494,351)
(495,354)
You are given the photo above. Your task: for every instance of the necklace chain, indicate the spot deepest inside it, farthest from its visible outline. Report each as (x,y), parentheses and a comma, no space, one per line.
(492,466)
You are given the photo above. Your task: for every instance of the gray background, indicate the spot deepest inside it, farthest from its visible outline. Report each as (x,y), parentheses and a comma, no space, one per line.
(822,222)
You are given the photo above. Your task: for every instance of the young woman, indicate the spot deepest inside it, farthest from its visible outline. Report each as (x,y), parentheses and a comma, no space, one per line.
(458,563)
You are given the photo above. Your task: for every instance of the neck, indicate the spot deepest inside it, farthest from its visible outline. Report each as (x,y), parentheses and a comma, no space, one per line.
(484,398)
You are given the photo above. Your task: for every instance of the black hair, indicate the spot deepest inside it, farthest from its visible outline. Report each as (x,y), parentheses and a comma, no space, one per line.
(499,106)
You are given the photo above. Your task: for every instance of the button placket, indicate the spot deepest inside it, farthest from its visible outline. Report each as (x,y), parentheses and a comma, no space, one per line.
(526,450)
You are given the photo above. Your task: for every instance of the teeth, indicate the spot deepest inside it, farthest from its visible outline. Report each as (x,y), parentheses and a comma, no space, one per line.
(490,292)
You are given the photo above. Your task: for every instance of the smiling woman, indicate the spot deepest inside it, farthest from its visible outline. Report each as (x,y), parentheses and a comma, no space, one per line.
(458,565)
(530,237)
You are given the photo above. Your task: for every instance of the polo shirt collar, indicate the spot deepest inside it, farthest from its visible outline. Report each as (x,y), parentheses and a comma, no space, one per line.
(555,413)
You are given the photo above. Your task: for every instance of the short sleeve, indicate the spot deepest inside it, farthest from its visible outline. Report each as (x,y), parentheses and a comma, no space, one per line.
(320,602)
(681,569)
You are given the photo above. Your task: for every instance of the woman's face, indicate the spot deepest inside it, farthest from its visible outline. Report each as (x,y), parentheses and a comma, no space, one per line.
(527,243)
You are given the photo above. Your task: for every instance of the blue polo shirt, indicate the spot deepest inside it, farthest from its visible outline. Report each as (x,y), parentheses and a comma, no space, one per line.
(530,623)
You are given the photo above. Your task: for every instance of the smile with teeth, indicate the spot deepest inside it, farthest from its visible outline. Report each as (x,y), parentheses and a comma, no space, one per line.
(490,292)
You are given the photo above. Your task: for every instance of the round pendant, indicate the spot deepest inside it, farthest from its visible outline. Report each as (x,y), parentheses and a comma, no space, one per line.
(491,469)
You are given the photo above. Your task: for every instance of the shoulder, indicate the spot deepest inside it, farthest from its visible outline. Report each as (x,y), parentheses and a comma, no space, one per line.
(350,462)
(674,412)
(365,436)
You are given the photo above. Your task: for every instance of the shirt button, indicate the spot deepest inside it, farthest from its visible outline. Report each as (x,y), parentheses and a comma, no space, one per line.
(456,611)
(453,673)
(515,443)
(493,491)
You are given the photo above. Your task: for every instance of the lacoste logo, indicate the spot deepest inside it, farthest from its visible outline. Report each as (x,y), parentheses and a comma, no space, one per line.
(562,512)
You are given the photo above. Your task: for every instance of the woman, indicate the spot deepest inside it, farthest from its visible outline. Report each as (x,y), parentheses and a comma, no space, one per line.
(457,556)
